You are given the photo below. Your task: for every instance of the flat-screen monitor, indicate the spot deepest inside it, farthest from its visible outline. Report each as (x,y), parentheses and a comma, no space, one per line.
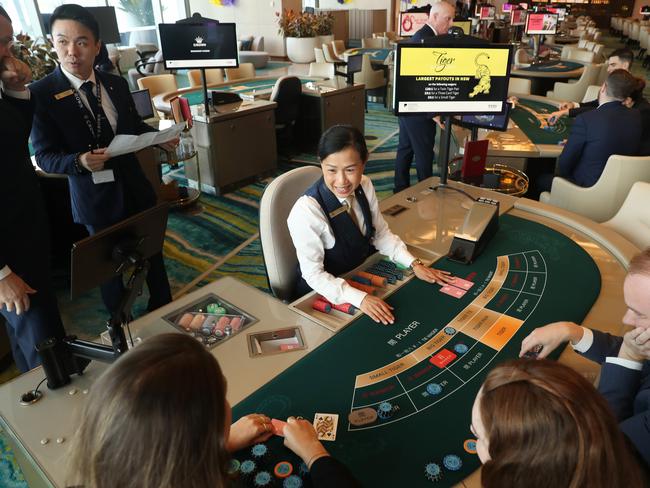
(506,7)
(202,45)
(560,11)
(541,23)
(109,33)
(518,17)
(411,22)
(354,63)
(488,121)
(143,105)
(487,12)
(451,79)
(466,25)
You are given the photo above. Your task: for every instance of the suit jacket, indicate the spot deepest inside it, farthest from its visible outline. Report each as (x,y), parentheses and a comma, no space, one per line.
(596,135)
(328,471)
(60,133)
(425,32)
(24,245)
(627,391)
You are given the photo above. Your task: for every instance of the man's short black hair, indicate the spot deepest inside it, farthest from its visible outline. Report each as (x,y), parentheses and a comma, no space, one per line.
(3,13)
(621,84)
(624,54)
(72,11)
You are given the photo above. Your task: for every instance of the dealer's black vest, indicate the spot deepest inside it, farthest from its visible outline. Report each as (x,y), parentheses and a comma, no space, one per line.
(351,247)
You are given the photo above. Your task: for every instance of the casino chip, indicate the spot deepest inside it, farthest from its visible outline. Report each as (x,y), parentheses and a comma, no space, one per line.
(234,466)
(292,481)
(259,451)
(452,462)
(470,446)
(450,330)
(434,389)
(247,467)
(433,472)
(461,348)
(283,469)
(385,410)
(263,478)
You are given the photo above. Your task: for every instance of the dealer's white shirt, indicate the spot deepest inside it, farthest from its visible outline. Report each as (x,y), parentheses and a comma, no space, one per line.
(312,234)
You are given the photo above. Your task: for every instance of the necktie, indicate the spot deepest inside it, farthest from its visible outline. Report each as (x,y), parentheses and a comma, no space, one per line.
(97,110)
(348,202)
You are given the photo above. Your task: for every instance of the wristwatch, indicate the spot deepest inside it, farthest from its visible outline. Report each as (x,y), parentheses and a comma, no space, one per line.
(77,164)
(416,261)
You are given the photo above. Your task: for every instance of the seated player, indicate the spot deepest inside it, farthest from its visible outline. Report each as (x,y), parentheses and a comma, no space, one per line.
(597,134)
(540,424)
(159,417)
(638,102)
(625,372)
(337,224)
(619,59)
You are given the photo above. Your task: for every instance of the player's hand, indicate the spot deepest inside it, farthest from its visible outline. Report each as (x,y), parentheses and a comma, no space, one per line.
(377,309)
(94,160)
(553,117)
(550,337)
(14,293)
(249,430)
(636,345)
(300,436)
(567,106)
(14,74)
(439,122)
(170,146)
(628,102)
(431,275)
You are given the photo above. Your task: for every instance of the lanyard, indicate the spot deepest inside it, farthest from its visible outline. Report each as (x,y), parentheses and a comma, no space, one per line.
(95,132)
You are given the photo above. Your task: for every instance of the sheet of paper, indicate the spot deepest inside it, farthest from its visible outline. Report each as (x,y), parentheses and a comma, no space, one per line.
(123,144)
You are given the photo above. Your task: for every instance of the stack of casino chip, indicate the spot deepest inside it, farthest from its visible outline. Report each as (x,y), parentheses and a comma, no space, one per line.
(370,290)
(369,279)
(324,305)
(283,469)
(216,309)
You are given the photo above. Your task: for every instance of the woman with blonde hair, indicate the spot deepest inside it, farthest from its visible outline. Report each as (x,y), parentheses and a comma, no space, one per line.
(159,418)
(541,424)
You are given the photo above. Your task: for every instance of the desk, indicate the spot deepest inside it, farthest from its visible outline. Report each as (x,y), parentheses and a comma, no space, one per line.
(544,75)
(323,103)
(436,215)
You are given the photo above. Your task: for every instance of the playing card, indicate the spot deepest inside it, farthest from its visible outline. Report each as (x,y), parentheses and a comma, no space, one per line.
(452,291)
(461,283)
(325,425)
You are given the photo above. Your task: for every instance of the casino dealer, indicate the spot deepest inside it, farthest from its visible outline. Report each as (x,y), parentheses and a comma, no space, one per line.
(337,224)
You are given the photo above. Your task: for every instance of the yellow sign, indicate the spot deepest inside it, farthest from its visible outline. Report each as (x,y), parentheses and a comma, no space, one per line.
(439,62)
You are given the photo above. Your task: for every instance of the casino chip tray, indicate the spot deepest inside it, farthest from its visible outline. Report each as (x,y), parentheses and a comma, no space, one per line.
(211,320)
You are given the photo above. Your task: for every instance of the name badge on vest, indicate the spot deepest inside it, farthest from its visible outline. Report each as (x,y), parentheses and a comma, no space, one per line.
(338,211)
(63,94)
(104,176)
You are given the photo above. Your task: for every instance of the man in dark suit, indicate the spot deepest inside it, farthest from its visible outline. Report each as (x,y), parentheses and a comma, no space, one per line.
(625,372)
(417,132)
(27,301)
(610,129)
(78,112)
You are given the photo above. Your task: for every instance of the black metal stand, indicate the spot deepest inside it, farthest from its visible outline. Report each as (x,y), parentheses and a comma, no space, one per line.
(206,104)
(63,357)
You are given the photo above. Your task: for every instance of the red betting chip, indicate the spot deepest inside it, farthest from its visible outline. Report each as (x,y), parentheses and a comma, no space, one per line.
(443,358)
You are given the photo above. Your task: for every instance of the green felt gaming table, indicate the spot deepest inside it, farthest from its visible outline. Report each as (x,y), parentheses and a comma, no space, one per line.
(544,75)
(424,371)
(529,115)
(377,55)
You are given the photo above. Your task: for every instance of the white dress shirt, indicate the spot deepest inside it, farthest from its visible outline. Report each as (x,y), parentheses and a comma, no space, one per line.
(587,341)
(312,234)
(22,95)
(107,103)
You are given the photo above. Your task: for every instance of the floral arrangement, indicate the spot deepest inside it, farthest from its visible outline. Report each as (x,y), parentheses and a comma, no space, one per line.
(323,23)
(38,54)
(295,24)
(223,3)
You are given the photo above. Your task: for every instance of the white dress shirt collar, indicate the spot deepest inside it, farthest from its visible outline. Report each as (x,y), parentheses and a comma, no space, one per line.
(77,82)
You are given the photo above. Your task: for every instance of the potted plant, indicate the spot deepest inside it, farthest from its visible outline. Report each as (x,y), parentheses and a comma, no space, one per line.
(38,54)
(323,25)
(298,30)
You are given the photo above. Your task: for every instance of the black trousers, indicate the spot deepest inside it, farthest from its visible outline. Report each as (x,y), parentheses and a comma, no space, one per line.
(417,134)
